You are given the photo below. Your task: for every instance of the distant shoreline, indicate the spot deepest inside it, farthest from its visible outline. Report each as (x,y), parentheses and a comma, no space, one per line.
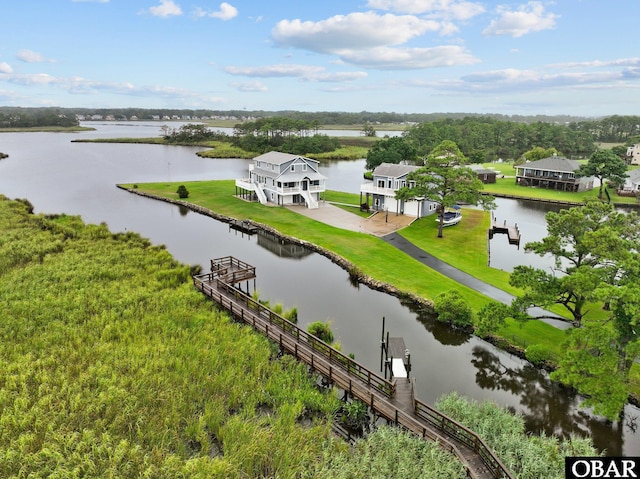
(46,129)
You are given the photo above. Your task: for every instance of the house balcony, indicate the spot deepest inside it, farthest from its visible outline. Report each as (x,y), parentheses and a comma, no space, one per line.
(246,183)
(371,189)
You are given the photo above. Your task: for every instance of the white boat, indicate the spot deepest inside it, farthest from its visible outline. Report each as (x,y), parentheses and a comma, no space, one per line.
(451,217)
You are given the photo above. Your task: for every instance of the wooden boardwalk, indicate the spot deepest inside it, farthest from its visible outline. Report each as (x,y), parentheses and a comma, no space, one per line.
(392,399)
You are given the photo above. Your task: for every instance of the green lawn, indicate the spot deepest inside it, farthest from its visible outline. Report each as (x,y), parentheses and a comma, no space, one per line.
(373,256)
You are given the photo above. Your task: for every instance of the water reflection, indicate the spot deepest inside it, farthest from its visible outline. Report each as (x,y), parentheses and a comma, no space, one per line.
(79,178)
(281,248)
(443,333)
(547,406)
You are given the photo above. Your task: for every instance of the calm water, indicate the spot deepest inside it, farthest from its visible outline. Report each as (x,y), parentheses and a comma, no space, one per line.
(58,176)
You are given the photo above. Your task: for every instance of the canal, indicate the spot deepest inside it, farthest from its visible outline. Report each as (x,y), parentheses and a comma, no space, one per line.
(59,176)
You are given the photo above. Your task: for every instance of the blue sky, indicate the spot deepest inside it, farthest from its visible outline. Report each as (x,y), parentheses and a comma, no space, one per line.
(576,57)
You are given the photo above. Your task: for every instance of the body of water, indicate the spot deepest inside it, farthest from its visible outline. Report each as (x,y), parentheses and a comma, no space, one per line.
(59,176)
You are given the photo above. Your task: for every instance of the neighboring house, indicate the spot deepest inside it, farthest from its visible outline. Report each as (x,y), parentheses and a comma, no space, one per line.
(484,174)
(380,194)
(554,173)
(633,154)
(631,183)
(283,179)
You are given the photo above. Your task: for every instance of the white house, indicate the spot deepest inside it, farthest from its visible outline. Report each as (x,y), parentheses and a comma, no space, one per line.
(380,194)
(633,153)
(283,179)
(631,183)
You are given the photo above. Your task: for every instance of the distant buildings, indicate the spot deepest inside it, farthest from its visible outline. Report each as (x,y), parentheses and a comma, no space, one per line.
(633,154)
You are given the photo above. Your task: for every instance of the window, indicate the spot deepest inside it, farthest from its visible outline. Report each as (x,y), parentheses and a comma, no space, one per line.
(304,167)
(293,167)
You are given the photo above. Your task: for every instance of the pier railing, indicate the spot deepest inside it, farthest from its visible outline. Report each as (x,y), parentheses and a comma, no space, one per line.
(346,373)
(462,434)
(250,311)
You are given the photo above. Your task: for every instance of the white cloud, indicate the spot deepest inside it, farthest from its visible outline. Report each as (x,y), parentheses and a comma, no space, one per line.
(528,18)
(5,68)
(371,40)
(280,70)
(83,86)
(166,8)
(520,80)
(384,58)
(255,86)
(226,12)
(455,9)
(305,72)
(352,31)
(599,63)
(338,77)
(29,56)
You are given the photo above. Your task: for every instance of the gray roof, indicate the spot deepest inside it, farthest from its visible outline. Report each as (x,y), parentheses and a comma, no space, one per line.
(392,170)
(479,169)
(278,158)
(633,175)
(553,163)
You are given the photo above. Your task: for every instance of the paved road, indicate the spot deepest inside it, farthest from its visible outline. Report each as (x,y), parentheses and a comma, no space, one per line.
(463,278)
(386,227)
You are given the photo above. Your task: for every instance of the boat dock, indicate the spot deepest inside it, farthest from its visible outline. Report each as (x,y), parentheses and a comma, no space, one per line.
(512,232)
(390,398)
(244,226)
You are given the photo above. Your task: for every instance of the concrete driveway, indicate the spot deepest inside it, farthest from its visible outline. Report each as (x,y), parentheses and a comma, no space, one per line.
(379,224)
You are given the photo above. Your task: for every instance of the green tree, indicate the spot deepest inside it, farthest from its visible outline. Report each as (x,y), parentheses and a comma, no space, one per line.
(538,153)
(368,130)
(452,308)
(445,180)
(591,364)
(390,150)
(604,164)
(586,243)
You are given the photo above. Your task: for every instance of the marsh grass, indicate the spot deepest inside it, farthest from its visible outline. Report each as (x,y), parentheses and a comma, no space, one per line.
(112,363)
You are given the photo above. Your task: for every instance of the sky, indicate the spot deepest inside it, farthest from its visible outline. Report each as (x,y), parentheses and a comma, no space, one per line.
(562,57)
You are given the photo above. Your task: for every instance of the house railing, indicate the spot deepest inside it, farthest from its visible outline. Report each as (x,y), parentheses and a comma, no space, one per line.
(377,190)
(298,189)
(548,175)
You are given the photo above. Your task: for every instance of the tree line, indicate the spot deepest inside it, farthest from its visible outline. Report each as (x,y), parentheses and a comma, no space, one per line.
(33,118)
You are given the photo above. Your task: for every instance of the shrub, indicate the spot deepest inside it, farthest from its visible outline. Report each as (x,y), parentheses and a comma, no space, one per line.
(539,354)
(182,192)
(452,308)
(322,331)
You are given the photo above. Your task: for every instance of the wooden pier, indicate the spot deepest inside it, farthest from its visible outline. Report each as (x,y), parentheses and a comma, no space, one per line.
(391,399)
(244,226)
(512,232)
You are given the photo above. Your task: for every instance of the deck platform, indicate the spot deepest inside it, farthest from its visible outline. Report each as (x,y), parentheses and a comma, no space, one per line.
(512,232)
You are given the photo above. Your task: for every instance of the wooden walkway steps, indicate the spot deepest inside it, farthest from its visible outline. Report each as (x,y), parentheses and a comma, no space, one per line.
(392,399)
